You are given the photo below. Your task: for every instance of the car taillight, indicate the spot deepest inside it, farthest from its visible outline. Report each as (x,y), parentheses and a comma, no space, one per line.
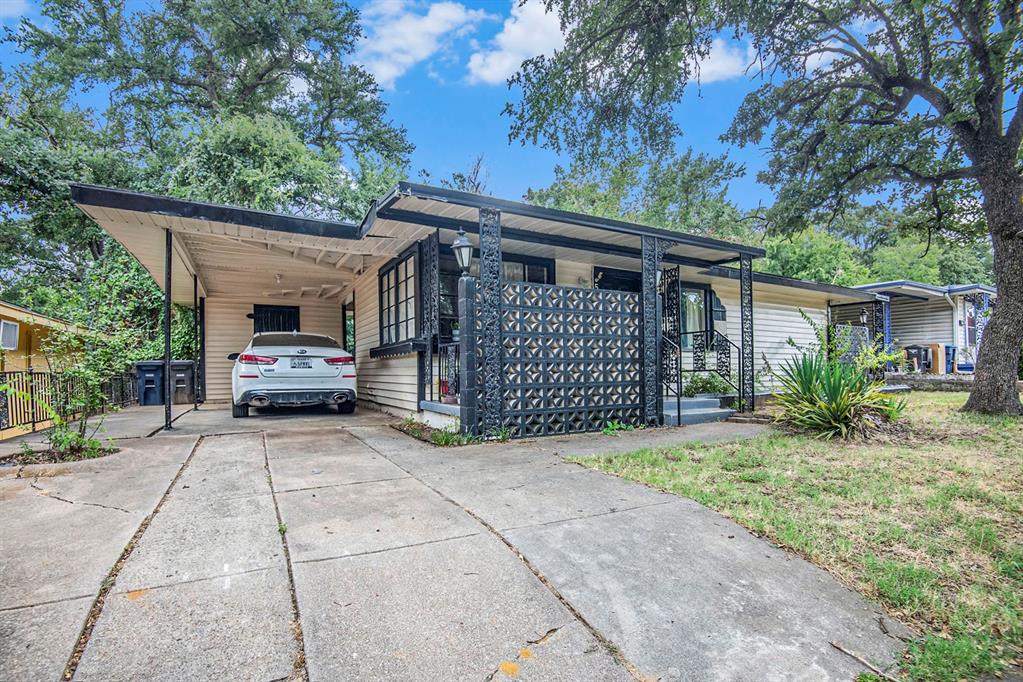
(346,360)
(246,359)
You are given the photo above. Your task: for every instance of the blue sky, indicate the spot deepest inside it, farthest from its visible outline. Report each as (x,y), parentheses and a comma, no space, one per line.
(443,66)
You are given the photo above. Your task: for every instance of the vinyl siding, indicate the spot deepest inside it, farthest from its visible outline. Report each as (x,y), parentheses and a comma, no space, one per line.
(569,273)
(391,384)
(228,330)
(776,319)
(922,322)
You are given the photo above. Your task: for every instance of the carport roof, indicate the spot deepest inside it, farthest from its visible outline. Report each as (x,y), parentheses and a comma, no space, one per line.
(234,251)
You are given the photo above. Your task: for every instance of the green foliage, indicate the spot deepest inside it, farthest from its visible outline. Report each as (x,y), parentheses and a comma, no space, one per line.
(829,398)
(907,259)
(709,383)
(817,256)
(684,193)
(614,427)
(177,63)
(449,437)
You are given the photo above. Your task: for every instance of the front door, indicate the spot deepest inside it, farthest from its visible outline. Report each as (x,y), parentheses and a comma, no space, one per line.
(275,318)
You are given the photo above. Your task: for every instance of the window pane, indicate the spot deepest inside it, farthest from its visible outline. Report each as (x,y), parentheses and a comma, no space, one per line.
(693,318)
(513,272)
(536,274)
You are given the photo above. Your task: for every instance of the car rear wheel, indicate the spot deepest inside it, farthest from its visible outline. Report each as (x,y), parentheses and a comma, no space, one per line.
(347,407)
(239,410)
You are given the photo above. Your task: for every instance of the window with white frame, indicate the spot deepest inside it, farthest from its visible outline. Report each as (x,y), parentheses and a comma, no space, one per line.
(398,301)
(9,335)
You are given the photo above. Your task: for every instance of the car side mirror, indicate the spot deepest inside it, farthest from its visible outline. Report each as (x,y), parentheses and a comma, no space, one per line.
(233,356)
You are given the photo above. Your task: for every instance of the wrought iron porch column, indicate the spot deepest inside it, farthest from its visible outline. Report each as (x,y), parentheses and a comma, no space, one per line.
(652,252)
(468,391)
(168,259)
(747,387)
(877,324)
(201,378)
(490,374)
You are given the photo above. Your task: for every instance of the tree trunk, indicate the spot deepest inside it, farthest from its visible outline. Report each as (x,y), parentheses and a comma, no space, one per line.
(994,388)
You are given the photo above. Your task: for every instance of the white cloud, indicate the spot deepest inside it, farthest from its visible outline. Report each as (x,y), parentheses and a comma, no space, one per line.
(398,37)
(528,32)
(725,61)
(14,9)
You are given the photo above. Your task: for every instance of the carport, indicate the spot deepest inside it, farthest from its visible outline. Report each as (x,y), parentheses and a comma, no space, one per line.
(224,262)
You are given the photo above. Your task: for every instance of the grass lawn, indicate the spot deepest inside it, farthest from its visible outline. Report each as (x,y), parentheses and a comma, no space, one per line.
(930,524)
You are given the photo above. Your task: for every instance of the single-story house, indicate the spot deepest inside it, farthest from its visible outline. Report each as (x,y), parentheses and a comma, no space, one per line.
(561,322)
(23,335)
(942,320)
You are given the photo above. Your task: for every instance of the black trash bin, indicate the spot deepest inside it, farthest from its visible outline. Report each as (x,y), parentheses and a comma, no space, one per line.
(182,382)
(150,378)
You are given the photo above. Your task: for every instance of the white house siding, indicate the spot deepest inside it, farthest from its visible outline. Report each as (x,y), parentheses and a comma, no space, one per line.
(573,274)
(776,319)
(391,384)
(228,330)
(922,322)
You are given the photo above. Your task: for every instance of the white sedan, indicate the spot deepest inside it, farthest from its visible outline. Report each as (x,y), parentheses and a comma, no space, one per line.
(282,368)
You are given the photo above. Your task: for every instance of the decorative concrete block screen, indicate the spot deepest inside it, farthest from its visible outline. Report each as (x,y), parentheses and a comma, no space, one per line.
(570,359)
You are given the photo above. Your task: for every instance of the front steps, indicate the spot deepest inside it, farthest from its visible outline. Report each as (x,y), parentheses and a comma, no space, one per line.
(695,411)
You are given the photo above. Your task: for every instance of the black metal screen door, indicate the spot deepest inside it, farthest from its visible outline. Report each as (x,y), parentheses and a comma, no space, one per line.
(275,318)
(671,337)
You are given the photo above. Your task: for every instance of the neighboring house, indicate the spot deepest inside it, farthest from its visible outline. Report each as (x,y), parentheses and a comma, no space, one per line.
(936,318)
(578,320)
(23,335)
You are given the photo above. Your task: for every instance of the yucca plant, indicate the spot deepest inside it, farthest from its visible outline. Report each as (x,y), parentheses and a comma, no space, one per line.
(829,398)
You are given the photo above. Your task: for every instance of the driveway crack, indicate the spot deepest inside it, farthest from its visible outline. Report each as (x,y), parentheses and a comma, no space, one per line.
(108,583)
(46,493)
(610,646)
(299,670)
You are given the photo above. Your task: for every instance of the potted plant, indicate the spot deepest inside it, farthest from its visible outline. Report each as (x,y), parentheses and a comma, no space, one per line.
(455,331)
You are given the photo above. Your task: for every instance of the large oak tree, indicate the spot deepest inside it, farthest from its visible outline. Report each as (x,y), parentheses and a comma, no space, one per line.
(916,99)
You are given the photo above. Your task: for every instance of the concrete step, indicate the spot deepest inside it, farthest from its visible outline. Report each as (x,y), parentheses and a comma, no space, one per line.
(698,416)
(692,404)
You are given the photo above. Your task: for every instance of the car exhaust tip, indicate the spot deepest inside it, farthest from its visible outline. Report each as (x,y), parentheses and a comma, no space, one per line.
(259,401)
(340,398)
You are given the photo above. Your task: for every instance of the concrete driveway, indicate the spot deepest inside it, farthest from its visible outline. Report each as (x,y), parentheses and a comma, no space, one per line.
(344,550)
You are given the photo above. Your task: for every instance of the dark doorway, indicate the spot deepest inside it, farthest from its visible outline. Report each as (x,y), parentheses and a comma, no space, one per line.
(275,318)
(618,280)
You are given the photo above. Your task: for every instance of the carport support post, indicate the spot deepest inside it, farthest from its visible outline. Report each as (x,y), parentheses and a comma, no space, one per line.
(491,379)
(195,342)
(747,387)
(168,259)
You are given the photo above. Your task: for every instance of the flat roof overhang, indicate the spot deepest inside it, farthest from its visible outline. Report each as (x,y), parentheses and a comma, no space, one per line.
(544,232)
(235,251)
(925,292)
(837,295)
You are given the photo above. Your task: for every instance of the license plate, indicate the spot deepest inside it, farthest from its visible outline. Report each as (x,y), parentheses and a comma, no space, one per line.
(301,363)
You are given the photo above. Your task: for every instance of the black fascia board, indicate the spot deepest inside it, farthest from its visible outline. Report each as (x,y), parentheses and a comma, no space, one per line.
(513,234)
(128,200)
(540,213)
(766,278)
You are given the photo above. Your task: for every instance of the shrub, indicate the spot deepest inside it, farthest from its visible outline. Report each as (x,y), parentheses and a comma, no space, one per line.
(706,383)
(828,398)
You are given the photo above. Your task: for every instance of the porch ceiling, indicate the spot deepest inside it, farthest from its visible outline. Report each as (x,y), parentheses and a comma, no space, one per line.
(238,252)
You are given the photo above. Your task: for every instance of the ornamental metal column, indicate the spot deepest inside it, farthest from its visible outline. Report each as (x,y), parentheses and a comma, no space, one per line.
(490,378)
(877,321)
(168,259)
(747,388)
(468,391)
(652,251)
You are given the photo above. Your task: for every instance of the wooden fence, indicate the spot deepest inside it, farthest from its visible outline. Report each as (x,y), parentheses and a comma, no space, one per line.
(32,396)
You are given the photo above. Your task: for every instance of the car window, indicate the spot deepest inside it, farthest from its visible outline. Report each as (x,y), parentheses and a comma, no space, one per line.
(309,340)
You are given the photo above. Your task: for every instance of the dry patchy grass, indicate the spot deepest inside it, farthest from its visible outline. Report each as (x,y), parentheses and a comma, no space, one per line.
(928,522)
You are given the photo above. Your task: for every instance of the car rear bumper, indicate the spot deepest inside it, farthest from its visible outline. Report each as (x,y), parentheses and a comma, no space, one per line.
(297,397)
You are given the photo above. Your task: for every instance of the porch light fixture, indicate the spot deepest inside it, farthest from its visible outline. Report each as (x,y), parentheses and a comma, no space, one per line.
(463,251)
